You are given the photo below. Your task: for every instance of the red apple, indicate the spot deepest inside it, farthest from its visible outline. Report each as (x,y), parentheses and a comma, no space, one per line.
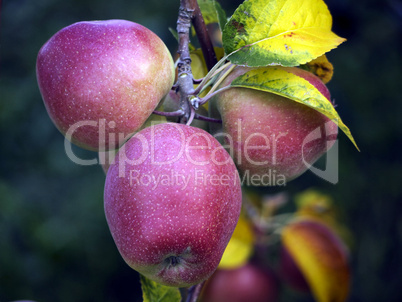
(172,201)
(248,283)
(101,80)
(268,135)
(106,158)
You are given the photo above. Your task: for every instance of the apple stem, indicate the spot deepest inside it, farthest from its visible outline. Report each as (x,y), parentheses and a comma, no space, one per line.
(207,119)
(172,113)
(181,113)
(222,78)
(203,36)
(191,118)
(213,72)
(211,95)
(194,292)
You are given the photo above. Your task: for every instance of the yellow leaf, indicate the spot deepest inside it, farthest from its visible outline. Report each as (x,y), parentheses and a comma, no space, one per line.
(279,32)
(281,81)
(240,247)
(321,257)
(312,204)
(198,65)
(321,67)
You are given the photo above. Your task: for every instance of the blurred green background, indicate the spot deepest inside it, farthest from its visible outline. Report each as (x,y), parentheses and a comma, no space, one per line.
(54,241)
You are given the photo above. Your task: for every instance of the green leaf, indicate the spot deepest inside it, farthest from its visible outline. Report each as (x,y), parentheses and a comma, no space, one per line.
(174,33)
(155,292)
(279,32)
(280,81)
(212,12)
(222,18)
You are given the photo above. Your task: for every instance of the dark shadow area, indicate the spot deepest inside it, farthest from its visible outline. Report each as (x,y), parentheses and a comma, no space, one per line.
(55,244)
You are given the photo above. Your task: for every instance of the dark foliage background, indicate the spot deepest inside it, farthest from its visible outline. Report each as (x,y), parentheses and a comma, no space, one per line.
(54,241)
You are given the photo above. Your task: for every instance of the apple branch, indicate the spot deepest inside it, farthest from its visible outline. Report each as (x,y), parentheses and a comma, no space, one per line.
(203,36)
(207,119)
(185,76)
(189,12)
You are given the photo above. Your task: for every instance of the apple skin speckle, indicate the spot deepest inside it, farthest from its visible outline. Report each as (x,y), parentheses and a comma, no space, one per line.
(172,200)
(273,139)
(96,72)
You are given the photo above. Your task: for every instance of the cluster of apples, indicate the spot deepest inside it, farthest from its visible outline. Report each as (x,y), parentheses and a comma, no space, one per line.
(172,196)
(173,193)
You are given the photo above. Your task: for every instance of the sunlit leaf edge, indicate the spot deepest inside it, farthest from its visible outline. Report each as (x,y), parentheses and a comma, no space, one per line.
(333,115)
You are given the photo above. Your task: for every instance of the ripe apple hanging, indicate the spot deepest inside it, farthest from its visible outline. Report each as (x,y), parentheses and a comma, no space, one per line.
(172,201)
(101,80)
